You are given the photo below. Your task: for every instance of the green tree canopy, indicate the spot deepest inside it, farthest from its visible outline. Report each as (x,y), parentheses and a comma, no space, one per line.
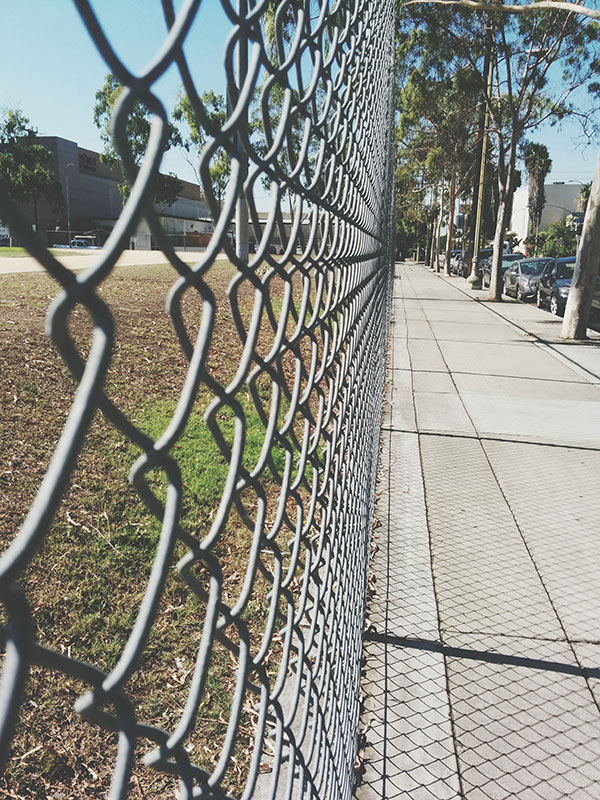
(24,174)
(138,129)
(526,54)
(436,129)
(195,139)
(557,240)
(584,196)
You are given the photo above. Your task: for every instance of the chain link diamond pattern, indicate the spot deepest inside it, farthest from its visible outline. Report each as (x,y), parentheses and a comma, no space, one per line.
(321,357)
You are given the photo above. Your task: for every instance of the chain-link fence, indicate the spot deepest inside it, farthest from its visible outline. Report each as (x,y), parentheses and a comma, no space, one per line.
(283,359)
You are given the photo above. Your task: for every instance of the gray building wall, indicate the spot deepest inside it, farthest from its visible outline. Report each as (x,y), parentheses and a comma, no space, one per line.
(91,191)
(90,187)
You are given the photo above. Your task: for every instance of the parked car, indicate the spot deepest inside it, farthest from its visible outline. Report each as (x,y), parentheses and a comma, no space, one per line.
(554,286)
(483,256)
(78,243)
(554,283)
(507,261)
(596,301)
(458,263)
(522,278)
(453,255)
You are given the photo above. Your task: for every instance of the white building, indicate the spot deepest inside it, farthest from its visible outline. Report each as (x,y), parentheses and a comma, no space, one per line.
(561,199)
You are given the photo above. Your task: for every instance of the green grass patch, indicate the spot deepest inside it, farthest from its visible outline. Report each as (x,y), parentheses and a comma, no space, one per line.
(21,252)
(204,467)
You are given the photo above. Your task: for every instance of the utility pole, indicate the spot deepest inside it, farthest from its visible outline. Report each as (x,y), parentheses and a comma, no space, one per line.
(241,207)
(68,202)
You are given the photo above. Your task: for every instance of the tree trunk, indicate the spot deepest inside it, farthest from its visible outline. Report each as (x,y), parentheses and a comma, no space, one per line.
(439,229)
(496,272)
(428,238)
(579,301)
(431,250)
(432,246)
(451,203)
(505,192)
(481,132)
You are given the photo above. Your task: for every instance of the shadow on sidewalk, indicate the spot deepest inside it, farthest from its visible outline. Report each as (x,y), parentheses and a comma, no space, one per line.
(481,655)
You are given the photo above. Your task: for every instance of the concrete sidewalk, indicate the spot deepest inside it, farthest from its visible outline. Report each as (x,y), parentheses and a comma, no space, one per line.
(483,638)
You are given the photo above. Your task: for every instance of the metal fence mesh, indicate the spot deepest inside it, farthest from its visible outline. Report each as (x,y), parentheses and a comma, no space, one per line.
(310,90)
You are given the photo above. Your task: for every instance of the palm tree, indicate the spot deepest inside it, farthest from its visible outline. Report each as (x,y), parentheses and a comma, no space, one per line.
(537,163)
(584,196)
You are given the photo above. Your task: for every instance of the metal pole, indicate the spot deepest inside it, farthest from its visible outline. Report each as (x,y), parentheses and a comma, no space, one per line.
(241,208)
(68,203)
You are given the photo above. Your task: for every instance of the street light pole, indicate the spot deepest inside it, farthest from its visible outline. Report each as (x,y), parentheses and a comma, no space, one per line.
(70,164)
(241,208)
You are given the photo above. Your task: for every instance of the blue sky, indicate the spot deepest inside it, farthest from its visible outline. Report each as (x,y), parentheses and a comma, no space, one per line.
(51,70)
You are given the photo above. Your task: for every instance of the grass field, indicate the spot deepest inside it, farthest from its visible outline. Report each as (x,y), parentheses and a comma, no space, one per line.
(86,583)
(21,252)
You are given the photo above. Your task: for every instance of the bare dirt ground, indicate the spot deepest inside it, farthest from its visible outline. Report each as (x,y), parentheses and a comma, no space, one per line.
(85,585)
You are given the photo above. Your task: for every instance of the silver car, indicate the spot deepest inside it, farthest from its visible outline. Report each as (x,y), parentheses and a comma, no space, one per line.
(522,278)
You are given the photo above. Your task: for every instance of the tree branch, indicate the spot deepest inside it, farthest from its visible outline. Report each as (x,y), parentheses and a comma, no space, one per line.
(558,5)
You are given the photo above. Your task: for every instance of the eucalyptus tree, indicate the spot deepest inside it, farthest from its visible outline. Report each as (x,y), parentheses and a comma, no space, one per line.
(528,53)
(196,136)
(579,301)
(410,206)
(438,100)
(287,104)
(415,190)
(137,129)
(435,128)
(538,60)
(24,172)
